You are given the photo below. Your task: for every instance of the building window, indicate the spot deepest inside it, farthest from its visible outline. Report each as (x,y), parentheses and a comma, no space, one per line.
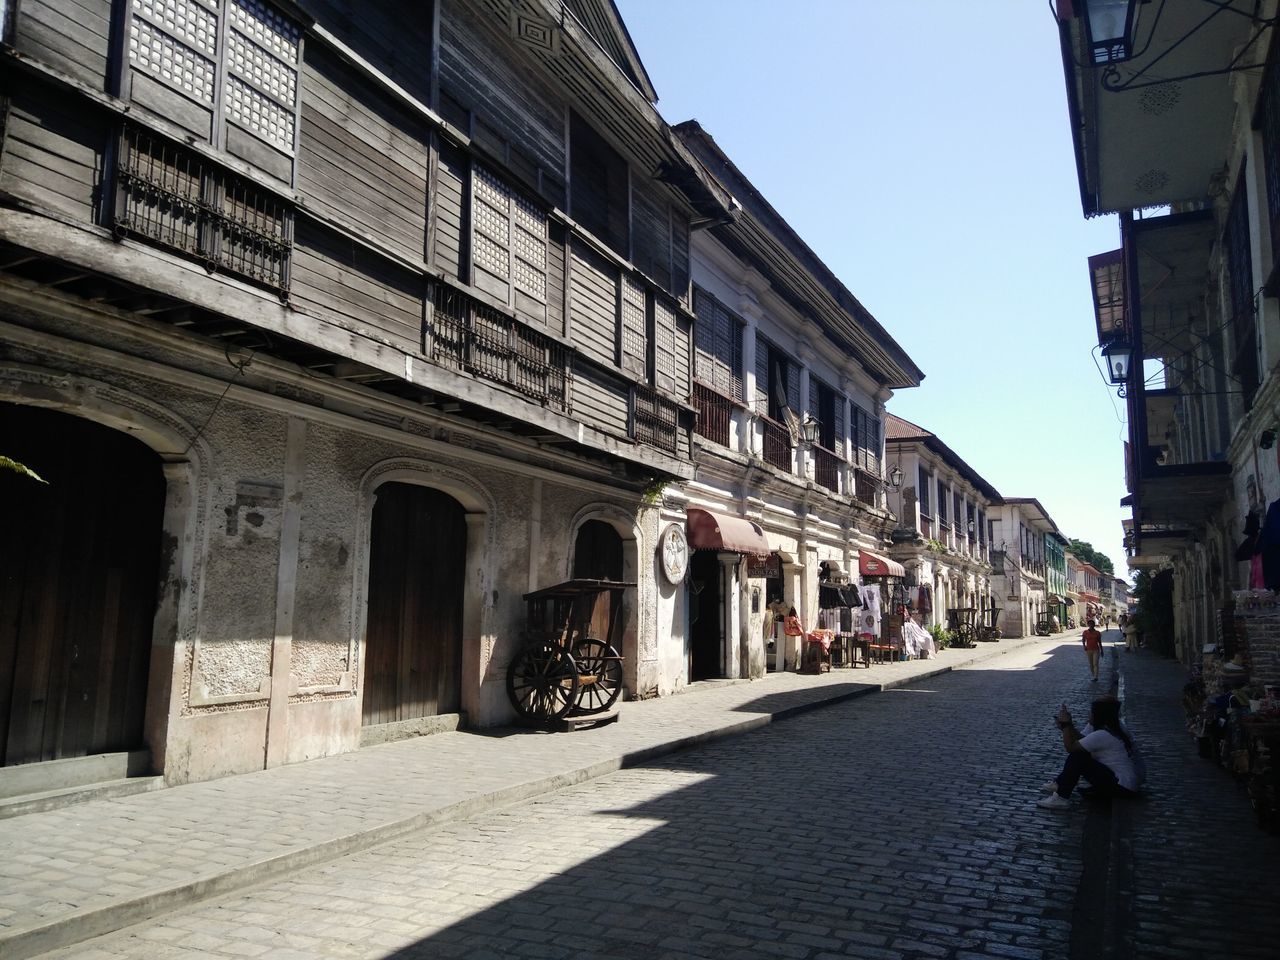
(717,346)
(926,485)
(944,494)
(827,408)
(599,187)
(1240,285)
(173,197)
(508,245)
(777,381)
(866,439)
(239,59)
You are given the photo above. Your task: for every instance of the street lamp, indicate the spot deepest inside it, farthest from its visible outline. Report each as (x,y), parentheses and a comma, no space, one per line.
(1118,354)
(895,477)
(810,428)
(1112,28)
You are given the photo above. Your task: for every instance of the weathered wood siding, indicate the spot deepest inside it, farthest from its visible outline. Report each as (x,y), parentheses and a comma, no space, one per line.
(599,399)
(451,226)
(514,116)
(53,153)
(361,159)
(392,35)
(342,281)
(593,302)
(72,36)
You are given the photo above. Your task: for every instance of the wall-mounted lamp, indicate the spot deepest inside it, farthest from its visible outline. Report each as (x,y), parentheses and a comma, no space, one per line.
(1268,439)
(895,477)
(1112,25)
(972,526)
(810,429)
(1117,354)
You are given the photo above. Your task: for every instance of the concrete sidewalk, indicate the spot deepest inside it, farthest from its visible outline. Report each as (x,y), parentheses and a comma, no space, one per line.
(70,874)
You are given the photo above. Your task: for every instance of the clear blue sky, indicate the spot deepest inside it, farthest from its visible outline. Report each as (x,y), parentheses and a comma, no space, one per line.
(923,151)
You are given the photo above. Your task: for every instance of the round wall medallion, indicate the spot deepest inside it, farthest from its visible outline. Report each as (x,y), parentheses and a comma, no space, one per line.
(673,553)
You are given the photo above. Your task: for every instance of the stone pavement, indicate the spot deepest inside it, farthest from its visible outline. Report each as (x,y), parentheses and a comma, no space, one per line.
(74,873)
(896,827)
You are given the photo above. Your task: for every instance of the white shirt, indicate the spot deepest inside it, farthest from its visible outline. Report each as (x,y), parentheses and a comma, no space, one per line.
(1109,750)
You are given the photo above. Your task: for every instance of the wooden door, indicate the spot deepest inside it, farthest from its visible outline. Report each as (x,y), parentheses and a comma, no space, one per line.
(704,616)
(79,559)
(597,555)
(413,641)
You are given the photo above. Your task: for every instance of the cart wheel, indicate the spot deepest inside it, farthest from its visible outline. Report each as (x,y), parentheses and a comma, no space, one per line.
(542,682)
(597,659)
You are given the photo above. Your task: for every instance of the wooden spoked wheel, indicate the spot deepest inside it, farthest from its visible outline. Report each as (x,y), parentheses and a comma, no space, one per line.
(600,673)
(542,682)
(964,635)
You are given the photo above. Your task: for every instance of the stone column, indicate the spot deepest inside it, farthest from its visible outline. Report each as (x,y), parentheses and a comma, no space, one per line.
(731,610)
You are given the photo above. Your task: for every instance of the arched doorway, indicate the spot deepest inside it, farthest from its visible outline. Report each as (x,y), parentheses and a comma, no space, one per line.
(78,578)
(413,640)
(706,660)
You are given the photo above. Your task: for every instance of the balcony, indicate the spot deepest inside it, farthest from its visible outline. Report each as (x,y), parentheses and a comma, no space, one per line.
(470,336)
(826,468)
(866,488)
(926,526)
(715,414)
(776,444)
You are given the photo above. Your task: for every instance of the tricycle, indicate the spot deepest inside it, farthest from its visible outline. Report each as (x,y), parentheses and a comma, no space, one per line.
(568,664)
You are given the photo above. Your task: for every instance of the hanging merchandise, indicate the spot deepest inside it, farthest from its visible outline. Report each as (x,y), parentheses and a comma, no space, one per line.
(924,602)
(869,618)
(1249,545)
(791,625)
(1269,549)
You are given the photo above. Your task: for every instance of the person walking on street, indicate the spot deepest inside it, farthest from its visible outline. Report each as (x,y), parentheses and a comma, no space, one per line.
(1130,628)
(1103,753)
(1092,641)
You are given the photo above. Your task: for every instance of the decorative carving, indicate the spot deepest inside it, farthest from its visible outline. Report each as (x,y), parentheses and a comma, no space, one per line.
(1157,101)
(1151,181)
(533,31)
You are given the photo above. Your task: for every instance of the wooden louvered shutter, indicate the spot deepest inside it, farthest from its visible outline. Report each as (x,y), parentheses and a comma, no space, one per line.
(873,445)
(704,336)
(724,351)
(762,401)
(491,234)
(838,406)
(793,385)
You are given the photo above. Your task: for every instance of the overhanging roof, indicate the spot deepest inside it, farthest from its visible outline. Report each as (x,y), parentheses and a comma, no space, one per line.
(1156,142)
(897,430)
(1173,274)
(1181,495)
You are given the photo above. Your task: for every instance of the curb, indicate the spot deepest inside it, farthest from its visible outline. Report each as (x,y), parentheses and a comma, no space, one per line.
(83,925)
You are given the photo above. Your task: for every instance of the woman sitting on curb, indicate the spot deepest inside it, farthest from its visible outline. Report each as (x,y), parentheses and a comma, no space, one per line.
(1103,753)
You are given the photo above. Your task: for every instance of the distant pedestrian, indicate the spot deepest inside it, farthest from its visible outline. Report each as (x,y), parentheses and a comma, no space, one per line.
(1092,641)
(1130,635)
(1103,753)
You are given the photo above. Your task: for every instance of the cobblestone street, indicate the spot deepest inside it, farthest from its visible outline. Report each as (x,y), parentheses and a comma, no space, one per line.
(900,825)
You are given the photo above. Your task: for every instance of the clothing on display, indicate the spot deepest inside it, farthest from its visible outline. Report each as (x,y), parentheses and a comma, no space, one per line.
(924,599)
(869,616)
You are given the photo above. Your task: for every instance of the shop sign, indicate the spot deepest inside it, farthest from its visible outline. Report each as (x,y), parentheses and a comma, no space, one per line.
(769,567)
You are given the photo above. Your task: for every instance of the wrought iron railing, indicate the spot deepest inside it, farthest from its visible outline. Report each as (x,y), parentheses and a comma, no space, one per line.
(655,419)
(176,198)
(465,334)
(826,468)
(715,413)
(865,487)
(777,444)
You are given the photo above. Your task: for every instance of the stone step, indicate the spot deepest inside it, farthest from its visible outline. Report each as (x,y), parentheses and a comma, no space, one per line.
(69,796)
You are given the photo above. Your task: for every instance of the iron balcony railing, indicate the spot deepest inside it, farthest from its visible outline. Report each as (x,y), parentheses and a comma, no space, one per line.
(176,198)
(866,487)
(465,334)
(826,468)
(777,444)
(715,414)
(655,419)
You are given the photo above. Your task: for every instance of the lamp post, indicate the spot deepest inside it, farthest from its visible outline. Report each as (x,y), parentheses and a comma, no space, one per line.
(1118,355)
(895,477)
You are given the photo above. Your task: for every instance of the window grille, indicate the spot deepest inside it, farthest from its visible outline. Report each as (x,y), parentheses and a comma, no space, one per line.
(654,419)
(173,197)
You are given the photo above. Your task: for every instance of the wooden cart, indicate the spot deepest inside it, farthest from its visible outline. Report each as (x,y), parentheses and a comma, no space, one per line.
(960,624)
(568,672)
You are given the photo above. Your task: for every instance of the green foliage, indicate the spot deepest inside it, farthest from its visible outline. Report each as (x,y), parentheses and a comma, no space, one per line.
(1086,552)
(937,546)
(941,636)
(7,463)
(653,492)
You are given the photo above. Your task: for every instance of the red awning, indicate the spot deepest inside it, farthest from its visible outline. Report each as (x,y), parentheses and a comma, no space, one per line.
(873,565)
(719,531)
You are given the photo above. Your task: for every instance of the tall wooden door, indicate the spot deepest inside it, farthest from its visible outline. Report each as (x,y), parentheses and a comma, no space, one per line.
(597,555)
(705,635)
(79,561)
(413,642)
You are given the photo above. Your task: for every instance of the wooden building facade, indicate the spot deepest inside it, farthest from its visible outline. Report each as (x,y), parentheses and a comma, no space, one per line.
(367,313)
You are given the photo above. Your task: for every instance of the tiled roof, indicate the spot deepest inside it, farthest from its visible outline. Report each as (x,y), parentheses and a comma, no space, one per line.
(895,428)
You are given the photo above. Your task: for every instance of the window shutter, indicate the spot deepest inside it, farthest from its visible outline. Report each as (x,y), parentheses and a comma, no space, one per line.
(762,375)
(793,385)
(634,342)
(529,257)
(262,78)
(838,406)
(491,234)
(664,347)
(704,336)
(725,378)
